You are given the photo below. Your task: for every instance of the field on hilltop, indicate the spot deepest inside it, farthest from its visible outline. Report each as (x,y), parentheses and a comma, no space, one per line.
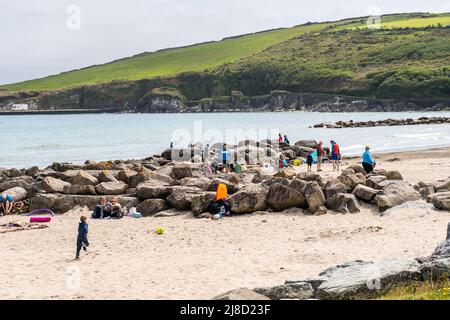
(408,57)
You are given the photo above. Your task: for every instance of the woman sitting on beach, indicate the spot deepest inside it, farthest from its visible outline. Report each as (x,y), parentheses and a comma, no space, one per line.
(368,162)
(7,203)
(220,207)
(114,209)
(99,211)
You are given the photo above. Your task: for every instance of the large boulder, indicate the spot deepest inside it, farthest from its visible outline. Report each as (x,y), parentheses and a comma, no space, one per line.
(181,198)
(153,189)
(241,294)
(77,189)
(84,178)
(437,269)
(366,279)
(395,194)
(17,193)
(201,202)
(441,200)
(301,151)
(249,199)
(343,203)
(181,171)
(357,168)
(332,189)
(351,179)
(106,176)
(442,185)
(201,183)
(25,182)
(52,185)
(374,182)
(307,143)
(443,250)
(285,173)
(126,175)
(146,175)
(281,197)
(314,196)
(111,188)
(44,201)
(152,206)
(394,175)
(297,290)
(365,193)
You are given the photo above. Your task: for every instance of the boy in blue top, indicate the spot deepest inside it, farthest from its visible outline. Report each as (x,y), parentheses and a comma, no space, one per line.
(82,240)
(7,203)
(368,162)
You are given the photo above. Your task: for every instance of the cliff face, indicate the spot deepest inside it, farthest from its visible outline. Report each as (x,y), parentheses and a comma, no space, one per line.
(168,100)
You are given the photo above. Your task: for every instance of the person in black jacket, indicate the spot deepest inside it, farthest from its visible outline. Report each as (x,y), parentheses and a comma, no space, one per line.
(82,240)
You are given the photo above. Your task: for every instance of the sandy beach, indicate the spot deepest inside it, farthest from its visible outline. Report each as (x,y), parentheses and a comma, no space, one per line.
(201,258)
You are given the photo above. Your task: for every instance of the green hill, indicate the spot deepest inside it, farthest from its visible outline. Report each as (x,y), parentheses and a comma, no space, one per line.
(408,57)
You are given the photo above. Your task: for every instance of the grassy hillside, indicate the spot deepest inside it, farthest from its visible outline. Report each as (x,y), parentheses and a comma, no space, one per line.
(408,57)
(169,62)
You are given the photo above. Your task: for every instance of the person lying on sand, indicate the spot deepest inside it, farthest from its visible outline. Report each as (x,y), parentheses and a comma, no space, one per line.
(7,203)
(82,240)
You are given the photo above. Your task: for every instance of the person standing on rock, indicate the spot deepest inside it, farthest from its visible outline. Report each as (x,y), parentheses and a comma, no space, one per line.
(368,162)
(171,145)
(7,203)
(319,156)
(226,156)
(286,140)
(335,152)
(280,138)
(206,153)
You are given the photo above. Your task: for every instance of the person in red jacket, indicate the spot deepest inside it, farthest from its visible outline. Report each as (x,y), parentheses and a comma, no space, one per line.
(335,155)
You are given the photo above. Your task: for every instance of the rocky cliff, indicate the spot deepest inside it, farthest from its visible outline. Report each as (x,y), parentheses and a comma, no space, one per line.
(139,98)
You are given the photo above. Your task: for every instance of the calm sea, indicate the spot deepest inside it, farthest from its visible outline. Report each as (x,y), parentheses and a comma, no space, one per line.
(42,139)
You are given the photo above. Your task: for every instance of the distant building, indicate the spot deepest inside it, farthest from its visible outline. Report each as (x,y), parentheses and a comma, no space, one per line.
(19,107)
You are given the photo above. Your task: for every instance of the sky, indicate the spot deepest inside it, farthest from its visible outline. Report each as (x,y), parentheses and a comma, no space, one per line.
(43,37)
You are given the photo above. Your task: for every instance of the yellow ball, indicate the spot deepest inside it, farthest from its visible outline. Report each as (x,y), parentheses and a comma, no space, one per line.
(159,230)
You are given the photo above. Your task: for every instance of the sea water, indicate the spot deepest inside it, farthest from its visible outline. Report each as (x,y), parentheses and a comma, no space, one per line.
(40,140)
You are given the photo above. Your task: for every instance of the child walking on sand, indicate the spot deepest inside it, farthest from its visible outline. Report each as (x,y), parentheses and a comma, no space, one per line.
(82,240)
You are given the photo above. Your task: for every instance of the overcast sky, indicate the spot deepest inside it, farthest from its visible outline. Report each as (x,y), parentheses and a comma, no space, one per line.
(42,37)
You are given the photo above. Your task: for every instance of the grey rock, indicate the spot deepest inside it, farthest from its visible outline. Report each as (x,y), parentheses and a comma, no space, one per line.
(365,193)
(152,206)
(249,199)
(297,290)
(111,188)
(281,197)
(367,279)
(241,294)
(52,185)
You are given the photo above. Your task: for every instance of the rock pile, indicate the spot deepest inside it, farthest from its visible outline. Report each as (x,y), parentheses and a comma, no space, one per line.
(383,123)
(162,182)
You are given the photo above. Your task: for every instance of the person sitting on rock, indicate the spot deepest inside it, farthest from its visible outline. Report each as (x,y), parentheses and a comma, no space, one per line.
(7,203)
(99,210)
(114,209)
(368,162)
(220,207)
(286,140)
